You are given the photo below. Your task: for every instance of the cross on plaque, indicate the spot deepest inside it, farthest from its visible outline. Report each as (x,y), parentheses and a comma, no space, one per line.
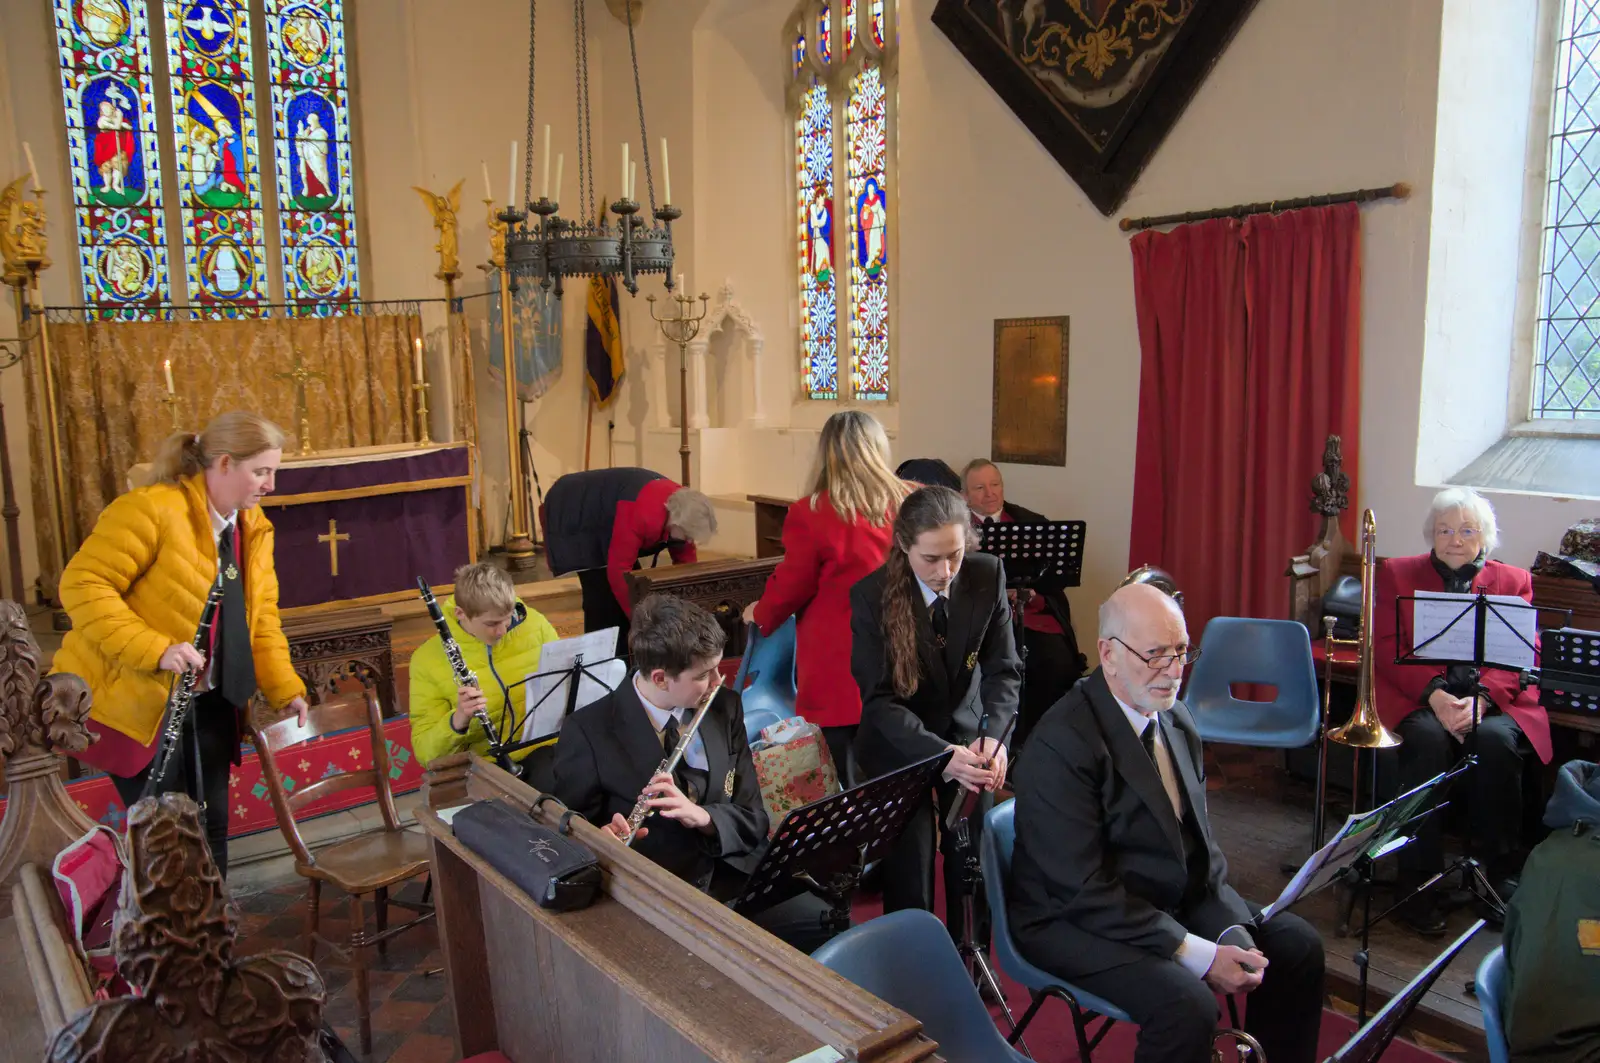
(333,539)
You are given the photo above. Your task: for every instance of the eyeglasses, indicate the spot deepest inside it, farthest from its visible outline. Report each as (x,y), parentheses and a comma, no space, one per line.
(1162,661)
(1442,532)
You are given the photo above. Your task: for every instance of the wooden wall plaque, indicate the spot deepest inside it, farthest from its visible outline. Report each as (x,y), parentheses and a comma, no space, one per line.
(1030,391)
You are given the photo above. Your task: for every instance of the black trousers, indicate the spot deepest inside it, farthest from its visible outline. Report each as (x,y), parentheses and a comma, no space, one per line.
(601,608)
(213,723)
(908,865)
(1492,791)
(839,740)
(1177,1013)
(1051,670)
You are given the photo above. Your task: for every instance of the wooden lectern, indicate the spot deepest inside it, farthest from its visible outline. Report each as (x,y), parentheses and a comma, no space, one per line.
(654,969)
(723,587)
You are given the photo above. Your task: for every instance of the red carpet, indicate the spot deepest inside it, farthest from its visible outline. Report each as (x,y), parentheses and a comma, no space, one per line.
(1050,1035)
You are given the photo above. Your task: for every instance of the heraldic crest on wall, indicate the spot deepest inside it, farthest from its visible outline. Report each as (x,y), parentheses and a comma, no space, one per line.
(1098,82)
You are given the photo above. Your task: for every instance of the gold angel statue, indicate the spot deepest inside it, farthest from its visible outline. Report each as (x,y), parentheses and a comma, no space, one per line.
(22,239)
(443,209)
(497,236)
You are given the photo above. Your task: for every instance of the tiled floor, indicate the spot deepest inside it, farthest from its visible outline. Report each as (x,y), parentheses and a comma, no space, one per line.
(411,1019)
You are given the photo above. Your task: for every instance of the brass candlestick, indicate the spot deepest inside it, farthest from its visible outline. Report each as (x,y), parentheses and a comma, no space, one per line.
(421,388)
(681,328)
(170,401)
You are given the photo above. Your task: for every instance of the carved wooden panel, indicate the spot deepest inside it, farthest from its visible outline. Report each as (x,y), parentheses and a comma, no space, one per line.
(1030,390)
(341,651)
(723,587)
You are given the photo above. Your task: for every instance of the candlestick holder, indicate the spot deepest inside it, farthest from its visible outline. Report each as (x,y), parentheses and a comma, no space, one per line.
(421,388)
(681,327)
(171,402)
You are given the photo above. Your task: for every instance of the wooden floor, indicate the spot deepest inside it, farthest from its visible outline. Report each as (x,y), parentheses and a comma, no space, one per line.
(1262,818)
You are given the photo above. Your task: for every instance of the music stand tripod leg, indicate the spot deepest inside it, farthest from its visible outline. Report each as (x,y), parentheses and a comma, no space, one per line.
(971,952)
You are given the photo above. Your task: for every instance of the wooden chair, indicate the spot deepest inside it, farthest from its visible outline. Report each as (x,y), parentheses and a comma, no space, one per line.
(366,865)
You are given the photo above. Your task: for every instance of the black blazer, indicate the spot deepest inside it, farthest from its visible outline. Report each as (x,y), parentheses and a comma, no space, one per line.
(1099,878)
(978,668)
(607,752)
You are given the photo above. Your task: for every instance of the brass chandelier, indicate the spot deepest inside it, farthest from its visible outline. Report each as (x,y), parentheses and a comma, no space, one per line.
(543,246)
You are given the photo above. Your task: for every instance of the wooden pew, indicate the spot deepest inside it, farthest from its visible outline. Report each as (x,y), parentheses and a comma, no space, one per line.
(723,587)
(654,969)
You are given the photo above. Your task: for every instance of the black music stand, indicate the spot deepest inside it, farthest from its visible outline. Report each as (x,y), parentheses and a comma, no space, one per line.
(823,848)
(536,768)
(1480,609)
(1369,1042)
(1568,676)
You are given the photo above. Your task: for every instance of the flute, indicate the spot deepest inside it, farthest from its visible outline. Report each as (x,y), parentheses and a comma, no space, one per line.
(669,763)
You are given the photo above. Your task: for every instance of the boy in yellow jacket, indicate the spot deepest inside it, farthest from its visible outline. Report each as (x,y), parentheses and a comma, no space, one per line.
(500,639)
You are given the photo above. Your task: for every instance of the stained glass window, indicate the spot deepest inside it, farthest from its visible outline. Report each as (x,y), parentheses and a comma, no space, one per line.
(311,146)
(214,136)
(869,237)
(104,48)
(844,114)
(818,284)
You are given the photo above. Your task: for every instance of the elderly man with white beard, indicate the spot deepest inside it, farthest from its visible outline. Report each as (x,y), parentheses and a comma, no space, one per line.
(1117,884)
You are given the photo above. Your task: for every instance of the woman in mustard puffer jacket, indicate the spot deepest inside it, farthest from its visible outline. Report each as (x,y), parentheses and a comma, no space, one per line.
(135,590)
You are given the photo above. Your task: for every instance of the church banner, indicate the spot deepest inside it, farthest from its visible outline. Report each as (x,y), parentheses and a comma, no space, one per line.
(537,337)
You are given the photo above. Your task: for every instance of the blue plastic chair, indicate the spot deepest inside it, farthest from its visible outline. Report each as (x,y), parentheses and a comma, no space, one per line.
(1490,986)
(907,960)
(765,680)
(1237,649)
(995,848)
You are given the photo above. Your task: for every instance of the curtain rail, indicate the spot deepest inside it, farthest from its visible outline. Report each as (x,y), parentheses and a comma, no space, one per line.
(1398,190)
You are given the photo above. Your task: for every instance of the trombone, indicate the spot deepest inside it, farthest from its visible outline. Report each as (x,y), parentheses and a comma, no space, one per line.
(1364,730)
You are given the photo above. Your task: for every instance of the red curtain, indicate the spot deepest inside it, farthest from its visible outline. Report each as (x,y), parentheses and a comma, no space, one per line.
(1250,339)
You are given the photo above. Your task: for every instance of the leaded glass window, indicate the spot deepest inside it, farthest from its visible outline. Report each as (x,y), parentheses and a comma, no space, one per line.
(1566,380)
(222,226)
(104,48)
(843,102)
(311,147)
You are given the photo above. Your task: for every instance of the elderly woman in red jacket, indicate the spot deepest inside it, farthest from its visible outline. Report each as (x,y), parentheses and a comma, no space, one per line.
(831,539)
(1432,709)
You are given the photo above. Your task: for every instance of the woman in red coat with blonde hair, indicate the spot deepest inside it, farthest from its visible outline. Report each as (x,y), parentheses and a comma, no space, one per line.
(832,539)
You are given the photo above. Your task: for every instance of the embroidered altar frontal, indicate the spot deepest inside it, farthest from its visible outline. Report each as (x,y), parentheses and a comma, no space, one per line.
(360,525)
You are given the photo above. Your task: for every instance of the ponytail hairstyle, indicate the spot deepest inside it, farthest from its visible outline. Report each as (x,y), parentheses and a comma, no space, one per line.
(853,468)
(923,510)
(238,434)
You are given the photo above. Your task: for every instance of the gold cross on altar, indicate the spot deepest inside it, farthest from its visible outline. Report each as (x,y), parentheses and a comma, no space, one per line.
(333,539)
(299,375)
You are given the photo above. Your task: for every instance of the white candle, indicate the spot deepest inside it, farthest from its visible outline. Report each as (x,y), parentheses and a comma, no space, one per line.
(624,189)
(488,192)
(419,359)
(544,187)
(560,162)
(633,176)
(166,367)
(33,170)
(511,183)
(666,171)
(682,288)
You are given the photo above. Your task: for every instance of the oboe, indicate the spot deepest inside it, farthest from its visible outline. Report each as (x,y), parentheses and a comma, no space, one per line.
(179,704)
(669,763)
(463,674)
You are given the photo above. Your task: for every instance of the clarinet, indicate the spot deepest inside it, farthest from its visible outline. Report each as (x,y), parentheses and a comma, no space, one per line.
(463,674)
(669,763)
(180,702)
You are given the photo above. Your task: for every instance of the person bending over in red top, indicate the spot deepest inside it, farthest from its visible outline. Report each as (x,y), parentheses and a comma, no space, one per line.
(832,539)
(600,523)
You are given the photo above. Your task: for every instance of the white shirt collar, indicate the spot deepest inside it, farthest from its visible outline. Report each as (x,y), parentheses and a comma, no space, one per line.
(658,716)
(219,522)
(929,594)
(1136,719)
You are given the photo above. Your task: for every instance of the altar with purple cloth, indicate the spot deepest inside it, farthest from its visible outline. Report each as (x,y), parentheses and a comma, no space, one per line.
(358,526)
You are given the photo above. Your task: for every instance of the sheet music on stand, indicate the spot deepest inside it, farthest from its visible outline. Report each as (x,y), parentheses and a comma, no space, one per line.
(1444,628)
(1032,552)
(548,691)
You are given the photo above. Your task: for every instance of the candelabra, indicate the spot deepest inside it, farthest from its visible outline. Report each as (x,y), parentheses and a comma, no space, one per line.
(681,327)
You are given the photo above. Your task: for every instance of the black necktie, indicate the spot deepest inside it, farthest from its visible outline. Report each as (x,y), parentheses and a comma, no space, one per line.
(669,734)
(941,619)
(1148,737)
(235,667)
